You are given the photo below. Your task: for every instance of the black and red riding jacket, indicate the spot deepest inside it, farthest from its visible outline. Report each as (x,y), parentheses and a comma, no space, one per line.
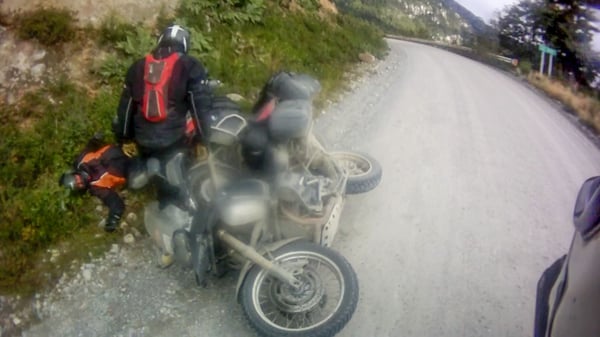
(107,168)
(154,109)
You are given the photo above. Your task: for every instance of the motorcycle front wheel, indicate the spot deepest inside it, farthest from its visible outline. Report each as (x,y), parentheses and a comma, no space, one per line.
(320,308)
(364,172)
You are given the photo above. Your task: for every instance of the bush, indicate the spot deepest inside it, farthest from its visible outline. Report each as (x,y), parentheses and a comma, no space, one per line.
(128,43)
(113,30)
(50,26)
(525,66)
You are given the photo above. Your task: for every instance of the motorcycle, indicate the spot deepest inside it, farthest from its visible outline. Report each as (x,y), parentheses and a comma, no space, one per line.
(268,199)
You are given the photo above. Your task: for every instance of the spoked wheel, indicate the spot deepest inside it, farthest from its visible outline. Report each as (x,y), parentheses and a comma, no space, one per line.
(321,307)
(364,172)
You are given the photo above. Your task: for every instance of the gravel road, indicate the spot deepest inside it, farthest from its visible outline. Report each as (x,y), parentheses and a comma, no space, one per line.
(480,177)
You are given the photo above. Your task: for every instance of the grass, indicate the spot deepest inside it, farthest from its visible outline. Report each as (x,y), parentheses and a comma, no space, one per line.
(585,106)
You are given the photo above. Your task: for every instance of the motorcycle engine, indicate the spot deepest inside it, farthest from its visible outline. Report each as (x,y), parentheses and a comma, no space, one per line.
(303,189)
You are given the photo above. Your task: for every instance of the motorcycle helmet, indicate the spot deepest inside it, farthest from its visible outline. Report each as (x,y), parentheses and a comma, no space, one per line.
(175,37)
(75,180)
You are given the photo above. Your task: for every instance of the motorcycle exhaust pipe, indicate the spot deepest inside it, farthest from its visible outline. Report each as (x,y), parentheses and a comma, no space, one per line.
(252,255)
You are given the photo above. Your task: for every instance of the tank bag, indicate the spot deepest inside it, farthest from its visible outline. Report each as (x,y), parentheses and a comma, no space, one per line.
(157,75)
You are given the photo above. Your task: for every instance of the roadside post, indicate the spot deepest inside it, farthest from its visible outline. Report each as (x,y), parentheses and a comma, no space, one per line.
(551,53)
(542,60)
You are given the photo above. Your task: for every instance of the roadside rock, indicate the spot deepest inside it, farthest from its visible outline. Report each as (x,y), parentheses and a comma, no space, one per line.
(114,249)
(367,57)
(131,217)
(129,239)
(235,97)
(87,274)
(38,56)
(37,71)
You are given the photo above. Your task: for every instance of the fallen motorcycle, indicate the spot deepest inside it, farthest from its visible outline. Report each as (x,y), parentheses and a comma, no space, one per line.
(268,200)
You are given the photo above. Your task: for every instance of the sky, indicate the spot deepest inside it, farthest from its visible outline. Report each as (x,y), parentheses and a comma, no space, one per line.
(485,9)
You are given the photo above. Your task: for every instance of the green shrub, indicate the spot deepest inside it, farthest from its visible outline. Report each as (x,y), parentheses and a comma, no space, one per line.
(164,18)
(203,13)
(113,29)
(50,26)
(525,66)
(243,56)
(4,18)
(128,43)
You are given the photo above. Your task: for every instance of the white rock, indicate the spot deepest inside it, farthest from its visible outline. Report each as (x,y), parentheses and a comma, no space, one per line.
(37,56)
(102,223)
(10,100)
(87,274)
(129,239)
(114,249)
(123,225)
(131,217)
(16,320)
(99,208)
(235,97)
(37,70)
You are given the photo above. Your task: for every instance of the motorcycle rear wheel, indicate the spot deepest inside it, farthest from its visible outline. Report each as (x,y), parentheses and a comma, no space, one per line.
(322,307)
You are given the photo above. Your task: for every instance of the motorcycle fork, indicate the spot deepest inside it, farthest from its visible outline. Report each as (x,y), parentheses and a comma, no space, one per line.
(252,255)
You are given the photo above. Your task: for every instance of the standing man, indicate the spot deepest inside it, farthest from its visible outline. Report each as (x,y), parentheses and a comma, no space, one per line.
(161,91)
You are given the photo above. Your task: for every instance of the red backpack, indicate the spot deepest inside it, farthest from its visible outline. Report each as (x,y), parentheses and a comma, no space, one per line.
(157,74)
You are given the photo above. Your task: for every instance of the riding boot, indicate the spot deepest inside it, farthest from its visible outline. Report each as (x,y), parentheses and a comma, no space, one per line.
(112,222)
(201,260)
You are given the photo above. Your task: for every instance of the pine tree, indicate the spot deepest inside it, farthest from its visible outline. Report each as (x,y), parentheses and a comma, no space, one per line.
(561,24)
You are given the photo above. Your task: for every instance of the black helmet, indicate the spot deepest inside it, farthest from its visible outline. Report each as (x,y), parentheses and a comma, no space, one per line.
(75,180)
(175,37)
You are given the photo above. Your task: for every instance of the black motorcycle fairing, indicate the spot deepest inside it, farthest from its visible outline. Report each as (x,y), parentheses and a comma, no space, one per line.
(586,215)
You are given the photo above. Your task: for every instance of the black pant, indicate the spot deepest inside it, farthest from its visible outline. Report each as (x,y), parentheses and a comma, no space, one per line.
(168,193)
(110,198)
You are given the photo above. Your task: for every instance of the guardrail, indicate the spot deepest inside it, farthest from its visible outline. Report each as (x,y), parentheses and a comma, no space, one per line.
(449,46)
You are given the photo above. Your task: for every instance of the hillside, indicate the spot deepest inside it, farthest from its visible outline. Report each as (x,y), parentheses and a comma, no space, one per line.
(440,20)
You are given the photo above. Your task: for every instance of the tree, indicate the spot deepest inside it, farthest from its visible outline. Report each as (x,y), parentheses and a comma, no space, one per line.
(519,28)
(562,24)
(567,27)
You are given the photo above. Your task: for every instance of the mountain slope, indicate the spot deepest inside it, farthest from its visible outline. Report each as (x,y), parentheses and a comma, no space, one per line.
(441,20)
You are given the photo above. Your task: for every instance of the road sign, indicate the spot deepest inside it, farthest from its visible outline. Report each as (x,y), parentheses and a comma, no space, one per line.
(545,49)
